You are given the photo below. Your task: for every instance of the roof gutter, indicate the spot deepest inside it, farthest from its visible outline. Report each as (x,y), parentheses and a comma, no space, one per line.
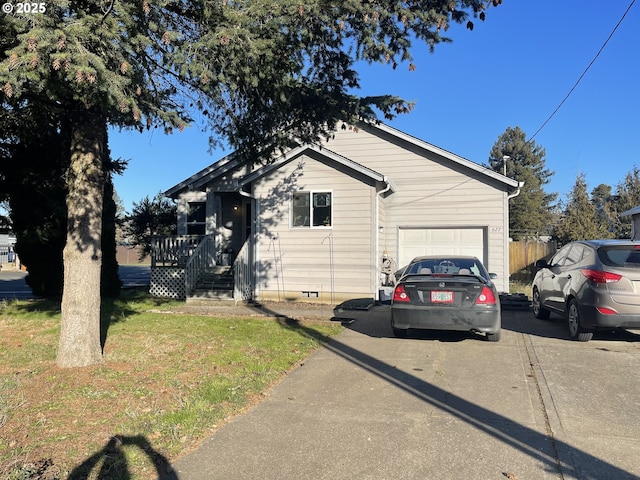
(389,185)
(517,192)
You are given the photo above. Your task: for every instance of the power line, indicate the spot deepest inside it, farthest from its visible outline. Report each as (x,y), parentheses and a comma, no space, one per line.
(583,73)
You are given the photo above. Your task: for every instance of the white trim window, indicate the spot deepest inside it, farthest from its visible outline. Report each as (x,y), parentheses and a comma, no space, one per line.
(312,209)
(196,218)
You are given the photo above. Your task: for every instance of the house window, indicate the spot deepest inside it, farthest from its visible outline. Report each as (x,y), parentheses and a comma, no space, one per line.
(312,209)
(196,218)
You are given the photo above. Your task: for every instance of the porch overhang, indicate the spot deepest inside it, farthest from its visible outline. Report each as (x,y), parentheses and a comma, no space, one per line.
(382,182)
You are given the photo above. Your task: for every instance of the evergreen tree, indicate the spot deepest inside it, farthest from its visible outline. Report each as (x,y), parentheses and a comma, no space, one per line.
(34,156)
(579,220)
(530,213)
(627,197)
(604,204)
(34,160)
(151,217)
(265,72)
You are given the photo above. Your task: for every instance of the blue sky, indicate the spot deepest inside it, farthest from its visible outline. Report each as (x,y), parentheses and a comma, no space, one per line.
(512,70)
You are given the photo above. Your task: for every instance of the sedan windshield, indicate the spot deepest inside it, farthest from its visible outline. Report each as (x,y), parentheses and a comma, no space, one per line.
(450,266)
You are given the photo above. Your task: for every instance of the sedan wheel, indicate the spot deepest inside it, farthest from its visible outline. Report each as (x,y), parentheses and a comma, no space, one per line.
(576,331)
(399,332)
(538,310)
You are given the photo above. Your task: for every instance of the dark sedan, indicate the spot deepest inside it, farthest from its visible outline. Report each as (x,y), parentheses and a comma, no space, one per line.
(446,293)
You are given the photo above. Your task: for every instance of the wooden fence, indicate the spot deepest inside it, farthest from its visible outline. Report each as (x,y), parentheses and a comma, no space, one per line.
(524,254)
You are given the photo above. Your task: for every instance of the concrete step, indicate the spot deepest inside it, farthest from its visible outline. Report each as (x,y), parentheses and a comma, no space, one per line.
(208,294)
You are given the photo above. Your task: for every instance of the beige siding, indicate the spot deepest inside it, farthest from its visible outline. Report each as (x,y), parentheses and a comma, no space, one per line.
(431,192)
(296,260)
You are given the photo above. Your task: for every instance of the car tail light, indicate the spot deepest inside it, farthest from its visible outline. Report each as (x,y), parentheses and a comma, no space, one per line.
(600,276)
(486,297)
(400,294)
(606,311)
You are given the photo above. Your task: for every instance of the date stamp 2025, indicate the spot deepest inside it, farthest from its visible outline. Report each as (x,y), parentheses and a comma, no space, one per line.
(24,8)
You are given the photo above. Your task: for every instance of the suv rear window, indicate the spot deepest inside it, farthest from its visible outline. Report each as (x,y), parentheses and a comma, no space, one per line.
(620,256)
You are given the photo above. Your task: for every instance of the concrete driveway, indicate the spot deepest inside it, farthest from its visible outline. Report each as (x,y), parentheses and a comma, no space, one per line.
(441,406)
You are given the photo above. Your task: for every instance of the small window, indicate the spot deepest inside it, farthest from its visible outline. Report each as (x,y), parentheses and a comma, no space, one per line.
(196,218)
(312,209)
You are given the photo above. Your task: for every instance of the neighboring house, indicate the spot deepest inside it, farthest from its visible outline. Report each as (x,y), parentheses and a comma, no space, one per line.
(7,246)
(634,213)
(330,222)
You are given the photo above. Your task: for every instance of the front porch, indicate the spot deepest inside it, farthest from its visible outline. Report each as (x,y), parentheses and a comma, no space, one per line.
(193,267)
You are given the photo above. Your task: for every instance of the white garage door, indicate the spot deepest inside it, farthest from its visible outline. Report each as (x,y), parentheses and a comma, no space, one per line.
(414,242)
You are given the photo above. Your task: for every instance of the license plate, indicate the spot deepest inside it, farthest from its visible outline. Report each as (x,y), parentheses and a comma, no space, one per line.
(442,297)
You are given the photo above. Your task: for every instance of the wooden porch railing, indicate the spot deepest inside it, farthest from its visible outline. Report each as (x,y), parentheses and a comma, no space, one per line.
(173,251)
(202,258)
(243,274)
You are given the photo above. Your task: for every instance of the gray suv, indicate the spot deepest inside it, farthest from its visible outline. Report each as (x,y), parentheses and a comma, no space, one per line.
(593,283)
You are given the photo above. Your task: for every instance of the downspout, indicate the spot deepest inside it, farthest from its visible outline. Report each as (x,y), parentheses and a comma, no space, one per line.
(517,192)
(506,254)
(378,257)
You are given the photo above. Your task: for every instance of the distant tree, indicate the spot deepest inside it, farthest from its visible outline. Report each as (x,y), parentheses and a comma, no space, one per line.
(579,220)
(150,217)
(605,210)
(530,213)
(627,197)
(120,216)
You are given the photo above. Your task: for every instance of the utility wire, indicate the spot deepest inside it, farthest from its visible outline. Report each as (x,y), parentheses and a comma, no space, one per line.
(583,73)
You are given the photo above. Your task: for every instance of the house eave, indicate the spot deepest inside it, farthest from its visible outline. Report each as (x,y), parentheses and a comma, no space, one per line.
(311,149)
(204,176)
(631,212)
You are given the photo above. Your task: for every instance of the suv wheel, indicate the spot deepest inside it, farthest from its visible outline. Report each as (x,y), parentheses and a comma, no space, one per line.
(494,337)
(576,331)
(538,310)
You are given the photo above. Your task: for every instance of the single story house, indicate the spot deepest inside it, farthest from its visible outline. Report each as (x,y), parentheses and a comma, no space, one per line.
(332,221)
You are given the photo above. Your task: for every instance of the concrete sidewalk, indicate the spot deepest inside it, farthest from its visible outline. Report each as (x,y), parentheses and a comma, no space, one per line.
(441,406)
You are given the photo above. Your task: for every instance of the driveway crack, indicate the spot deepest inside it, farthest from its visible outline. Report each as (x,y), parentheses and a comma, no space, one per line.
(537,375)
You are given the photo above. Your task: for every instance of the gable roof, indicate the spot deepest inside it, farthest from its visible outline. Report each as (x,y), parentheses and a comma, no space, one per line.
(324,153)
(456,159)
(631,212)
(233,160)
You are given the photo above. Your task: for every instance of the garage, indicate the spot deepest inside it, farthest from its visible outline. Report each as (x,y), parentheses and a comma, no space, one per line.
(414,242)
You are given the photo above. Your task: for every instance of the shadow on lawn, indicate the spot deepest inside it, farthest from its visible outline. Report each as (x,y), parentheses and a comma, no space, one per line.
(110,461)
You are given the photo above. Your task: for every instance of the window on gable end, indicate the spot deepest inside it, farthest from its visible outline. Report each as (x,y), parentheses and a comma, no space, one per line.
(312,209)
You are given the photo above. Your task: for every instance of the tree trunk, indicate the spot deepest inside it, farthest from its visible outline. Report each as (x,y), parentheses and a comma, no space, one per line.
(80,329)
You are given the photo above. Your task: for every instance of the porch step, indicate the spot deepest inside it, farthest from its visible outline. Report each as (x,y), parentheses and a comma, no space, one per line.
(216,285)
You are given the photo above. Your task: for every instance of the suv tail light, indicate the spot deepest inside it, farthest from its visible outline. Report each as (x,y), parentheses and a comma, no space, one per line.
(400,294)
(600,276)
(486,297)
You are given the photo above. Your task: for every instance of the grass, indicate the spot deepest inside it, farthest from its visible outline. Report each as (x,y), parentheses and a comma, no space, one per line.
(520,287)
(167,381)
